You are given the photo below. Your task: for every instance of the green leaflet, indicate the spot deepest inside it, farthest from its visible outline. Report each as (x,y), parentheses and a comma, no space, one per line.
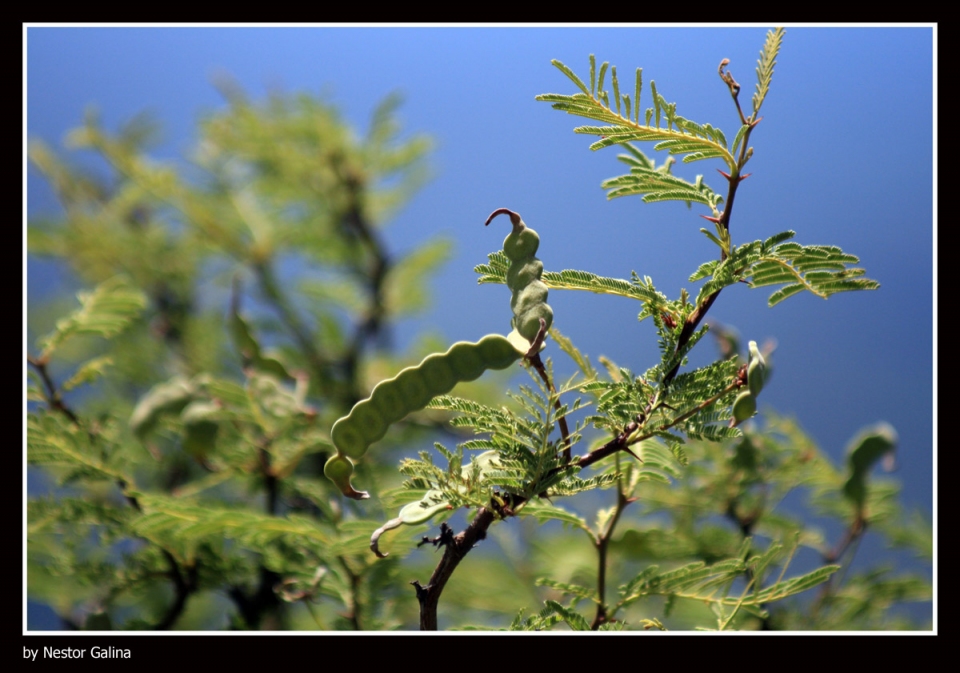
(105,312)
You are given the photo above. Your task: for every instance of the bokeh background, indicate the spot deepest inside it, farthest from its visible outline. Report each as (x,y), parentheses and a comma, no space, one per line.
(844,156)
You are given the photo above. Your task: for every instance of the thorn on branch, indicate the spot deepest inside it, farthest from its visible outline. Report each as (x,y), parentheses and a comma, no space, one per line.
(443,540)
(421,590)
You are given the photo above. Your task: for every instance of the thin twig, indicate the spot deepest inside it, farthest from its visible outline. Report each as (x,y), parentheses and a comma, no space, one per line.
(182,587)
(354,615)
(453,553)
(850,540)
(288,316)
(51,393)
(602,542)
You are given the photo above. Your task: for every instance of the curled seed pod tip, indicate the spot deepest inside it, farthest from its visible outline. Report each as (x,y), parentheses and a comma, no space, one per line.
(528,293)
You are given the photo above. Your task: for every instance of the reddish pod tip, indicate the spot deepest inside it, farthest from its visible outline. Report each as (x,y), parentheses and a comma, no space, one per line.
(514,217)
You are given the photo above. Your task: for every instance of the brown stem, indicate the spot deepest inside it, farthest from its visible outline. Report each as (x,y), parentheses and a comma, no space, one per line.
(736,383)
(51,393)
(851,537)
(453,553)
(602,542)
(354,615)
(261,602)
(371,325)
(55,401)
(698,314)
(375,274)
(622,441)
(733,182)
(288,316)
(733,85)
(271,483)
(182,588)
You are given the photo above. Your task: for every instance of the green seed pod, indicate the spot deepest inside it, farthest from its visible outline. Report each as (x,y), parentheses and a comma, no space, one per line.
(390,402)
(524,273)
(370,423)
(438,374)
(529,300)
(756,370)
(338,470)
(467,362)
(413,388)
(529,323)
(348,439)
(744,407)
(409,391)
(521,243)
(498,352)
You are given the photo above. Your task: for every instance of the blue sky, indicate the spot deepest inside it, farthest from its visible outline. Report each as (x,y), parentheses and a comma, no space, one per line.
(844,156)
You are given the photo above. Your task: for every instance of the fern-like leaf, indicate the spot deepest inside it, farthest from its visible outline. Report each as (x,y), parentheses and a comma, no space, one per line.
(575,590)
(104,312)
(678,136)
(659,186)
(544,512)
(574,620)
(54,441)
(823,270)
(581,360)
(768,59)
(168,519)
(637,288)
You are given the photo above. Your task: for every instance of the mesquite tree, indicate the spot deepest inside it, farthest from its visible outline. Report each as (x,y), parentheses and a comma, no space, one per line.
(187,484)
